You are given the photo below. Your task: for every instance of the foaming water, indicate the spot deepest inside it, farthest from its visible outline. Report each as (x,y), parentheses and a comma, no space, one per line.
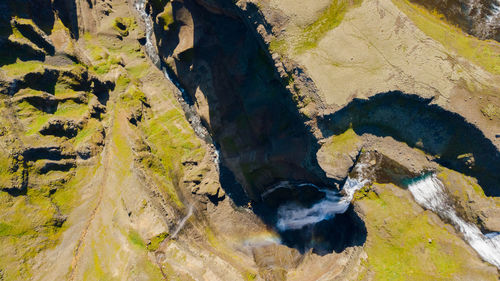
(293,216)
(183,221)
(140,6)
(183,98)
(429,193)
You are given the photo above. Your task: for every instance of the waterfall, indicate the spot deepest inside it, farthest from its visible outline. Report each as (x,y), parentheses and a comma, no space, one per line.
(293,216)
(140,6)
(429,193)
(183,221)
(183,98)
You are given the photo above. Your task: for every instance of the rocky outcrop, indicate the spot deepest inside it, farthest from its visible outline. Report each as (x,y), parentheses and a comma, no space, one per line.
(60,128)
(413,120)
(232,82)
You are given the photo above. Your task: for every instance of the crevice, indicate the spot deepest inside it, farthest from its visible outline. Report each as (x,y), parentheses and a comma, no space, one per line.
(456,143)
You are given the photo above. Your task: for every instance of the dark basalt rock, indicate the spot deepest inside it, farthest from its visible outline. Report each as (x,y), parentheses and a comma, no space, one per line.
(382,169)
(48,152)
(60,128)
(50,165)
(302,194)
(44,101)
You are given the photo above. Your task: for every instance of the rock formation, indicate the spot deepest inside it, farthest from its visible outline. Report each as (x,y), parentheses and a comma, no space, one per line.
(249,140)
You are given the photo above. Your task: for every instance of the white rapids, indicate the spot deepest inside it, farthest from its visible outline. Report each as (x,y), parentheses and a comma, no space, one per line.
(140,6)
(183,221)
(292,216)
(151,51)
(429,193)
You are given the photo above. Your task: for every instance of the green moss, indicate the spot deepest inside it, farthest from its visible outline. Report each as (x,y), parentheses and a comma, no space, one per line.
(122,83)
(342,143)
(136,239)
(137,71)
(278,46)
(403,242)
(71,109)
(133,94)
(95,50)
(92,127)
(330,18)
(27,226)
(485,53)
(172,141)
(212,239)
(155,242)
(37,124)
(96,271)
(365,191)
(124,25)
(5,172)
(66,197)
(165,18)
(131,49)
(22,67)
(106,65)
(249,276)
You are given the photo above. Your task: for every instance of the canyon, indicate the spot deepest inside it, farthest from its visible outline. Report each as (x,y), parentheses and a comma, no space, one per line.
(249,140)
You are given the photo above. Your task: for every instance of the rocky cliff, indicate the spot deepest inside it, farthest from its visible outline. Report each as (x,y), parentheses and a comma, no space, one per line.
(150,140)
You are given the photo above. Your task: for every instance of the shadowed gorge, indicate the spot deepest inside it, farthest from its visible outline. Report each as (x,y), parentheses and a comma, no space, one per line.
(238,95)
(249,112)
(249,140)
(454,142)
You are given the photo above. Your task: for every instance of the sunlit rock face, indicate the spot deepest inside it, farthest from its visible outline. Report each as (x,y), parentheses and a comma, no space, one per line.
(113,113)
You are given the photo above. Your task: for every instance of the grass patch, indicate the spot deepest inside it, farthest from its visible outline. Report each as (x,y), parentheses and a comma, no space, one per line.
(485,53)
(330,18)
(70,109)
(278,46)
(122,83)
(27,227)
(165,18)
(66,197)
(96,52)
(136,239)
(403,242)
(36,124)
(22,67)
(155,242)
(106,64)
(124,25)
(137,71)
(86,133)
(173,142)
(249,276)
(133,95)
(5,172)
(342,143)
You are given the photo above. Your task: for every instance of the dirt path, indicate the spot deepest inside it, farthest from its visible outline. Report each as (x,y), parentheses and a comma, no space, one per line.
(101,183)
